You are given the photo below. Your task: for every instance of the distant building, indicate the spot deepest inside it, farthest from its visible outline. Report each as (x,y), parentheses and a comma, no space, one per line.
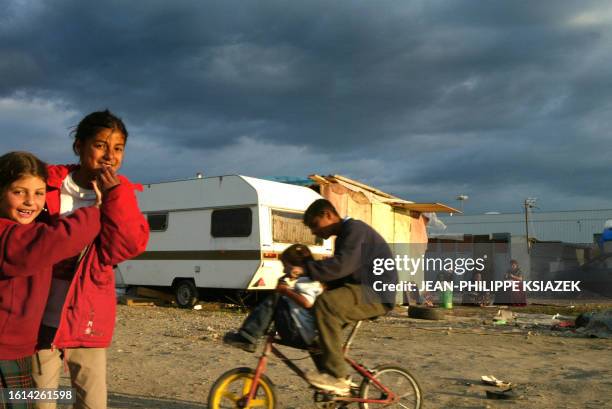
(574,226)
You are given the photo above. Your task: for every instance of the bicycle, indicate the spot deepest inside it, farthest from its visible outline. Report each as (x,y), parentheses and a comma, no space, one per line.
(386,385)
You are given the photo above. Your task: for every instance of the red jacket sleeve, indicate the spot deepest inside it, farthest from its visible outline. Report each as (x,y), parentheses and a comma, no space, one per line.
(29,248)
(125,232)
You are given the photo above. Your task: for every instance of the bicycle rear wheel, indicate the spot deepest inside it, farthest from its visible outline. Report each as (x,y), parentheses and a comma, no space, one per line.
(399,381)
(231,389)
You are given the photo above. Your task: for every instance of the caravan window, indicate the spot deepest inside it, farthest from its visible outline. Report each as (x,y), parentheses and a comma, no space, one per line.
(231,222)
(157,221)
(287,227)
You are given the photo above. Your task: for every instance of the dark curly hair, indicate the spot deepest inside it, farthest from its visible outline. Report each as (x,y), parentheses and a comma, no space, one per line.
(296,255)
(316,209)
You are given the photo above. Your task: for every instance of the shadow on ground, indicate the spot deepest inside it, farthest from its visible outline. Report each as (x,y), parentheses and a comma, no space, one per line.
(124,400)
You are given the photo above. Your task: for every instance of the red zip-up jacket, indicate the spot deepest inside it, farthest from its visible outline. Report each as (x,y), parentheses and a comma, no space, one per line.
(88,314)
(27,255)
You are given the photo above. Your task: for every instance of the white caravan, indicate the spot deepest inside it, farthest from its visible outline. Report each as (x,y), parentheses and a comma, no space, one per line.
(223,232)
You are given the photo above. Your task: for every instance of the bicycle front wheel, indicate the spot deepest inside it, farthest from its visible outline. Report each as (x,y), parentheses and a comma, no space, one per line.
(232,388)
(399,381)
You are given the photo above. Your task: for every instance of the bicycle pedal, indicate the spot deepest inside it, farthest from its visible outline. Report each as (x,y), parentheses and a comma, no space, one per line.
(321,396)
(333,396)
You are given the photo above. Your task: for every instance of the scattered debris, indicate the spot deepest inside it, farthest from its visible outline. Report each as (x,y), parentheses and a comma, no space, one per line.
(143,296)
(534,321)
(493,381)
(504,315)
(560,317)
(426,313)
(564,325)
(150,293)
(506,394)
(583,319)
(599,326)
(135,301)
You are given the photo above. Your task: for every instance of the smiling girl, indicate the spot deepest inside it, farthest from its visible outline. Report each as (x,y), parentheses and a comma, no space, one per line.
(28,251)
(79,319)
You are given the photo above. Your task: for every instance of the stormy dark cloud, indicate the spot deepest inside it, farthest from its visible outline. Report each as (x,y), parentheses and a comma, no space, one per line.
(425,99)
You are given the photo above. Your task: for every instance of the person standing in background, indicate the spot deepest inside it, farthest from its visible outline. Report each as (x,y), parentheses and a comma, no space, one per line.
(517,298)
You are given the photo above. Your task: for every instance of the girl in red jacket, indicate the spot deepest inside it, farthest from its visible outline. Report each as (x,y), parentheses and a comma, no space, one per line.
(28,251)
(80,316)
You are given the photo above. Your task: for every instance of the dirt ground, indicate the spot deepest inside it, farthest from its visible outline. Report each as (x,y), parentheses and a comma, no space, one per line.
(164,357)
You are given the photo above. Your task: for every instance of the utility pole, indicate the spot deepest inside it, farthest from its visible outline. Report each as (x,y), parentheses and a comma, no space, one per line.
(461,199)
(528,204)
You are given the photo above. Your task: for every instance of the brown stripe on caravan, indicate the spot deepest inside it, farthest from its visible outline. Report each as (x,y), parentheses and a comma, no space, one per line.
(201,255)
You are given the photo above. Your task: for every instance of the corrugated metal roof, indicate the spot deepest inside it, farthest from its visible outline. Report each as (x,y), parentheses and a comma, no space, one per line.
(377,195)
(423,207)
(577,226)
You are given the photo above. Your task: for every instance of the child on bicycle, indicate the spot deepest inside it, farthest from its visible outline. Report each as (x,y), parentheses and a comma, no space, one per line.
(290,307)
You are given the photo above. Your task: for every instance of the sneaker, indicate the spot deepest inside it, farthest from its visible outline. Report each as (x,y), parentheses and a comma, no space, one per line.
(349,381)
(236,340)
(326,382)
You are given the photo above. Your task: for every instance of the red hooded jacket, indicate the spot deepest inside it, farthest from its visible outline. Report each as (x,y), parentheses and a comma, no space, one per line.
(88,314)
(27,255)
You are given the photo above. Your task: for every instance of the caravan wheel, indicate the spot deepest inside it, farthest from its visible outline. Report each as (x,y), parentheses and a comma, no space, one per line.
(185,294)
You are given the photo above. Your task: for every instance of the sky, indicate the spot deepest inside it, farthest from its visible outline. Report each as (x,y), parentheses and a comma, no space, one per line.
(427,100)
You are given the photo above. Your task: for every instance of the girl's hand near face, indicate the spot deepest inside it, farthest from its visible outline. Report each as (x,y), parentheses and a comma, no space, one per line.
(107,179)
(98,194)
(282,287)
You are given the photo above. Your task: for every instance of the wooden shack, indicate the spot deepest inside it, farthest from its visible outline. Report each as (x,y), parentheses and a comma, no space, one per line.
(402,223)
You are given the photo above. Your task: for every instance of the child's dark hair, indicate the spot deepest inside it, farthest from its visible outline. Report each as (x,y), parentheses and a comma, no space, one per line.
(296,255)
(94,123)
(317,208)
(15,165)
